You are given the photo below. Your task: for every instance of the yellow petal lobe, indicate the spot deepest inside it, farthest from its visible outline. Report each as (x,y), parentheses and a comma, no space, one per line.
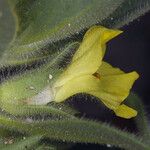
(125,112)
(106,70)
(117,87)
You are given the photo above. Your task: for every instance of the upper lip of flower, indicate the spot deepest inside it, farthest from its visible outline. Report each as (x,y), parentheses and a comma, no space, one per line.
(88,57)
(88,73)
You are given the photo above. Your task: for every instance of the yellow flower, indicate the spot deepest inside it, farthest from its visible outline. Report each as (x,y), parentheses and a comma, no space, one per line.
(87,73)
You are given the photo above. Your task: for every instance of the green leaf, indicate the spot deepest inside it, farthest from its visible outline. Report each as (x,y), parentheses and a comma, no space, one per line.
(83,131)
(45,147)
(126,13)
(26,111)
(23,144)
(40,23)
(4,132)
(55,20)
(141,120)
(64,107)
(7,26)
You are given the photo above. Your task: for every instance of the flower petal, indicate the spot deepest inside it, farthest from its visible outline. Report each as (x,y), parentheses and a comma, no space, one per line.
(115,88)
(115,84)
(88,57)
(111,90)
(125,112)
(102,34)
(83,84)
(106,70)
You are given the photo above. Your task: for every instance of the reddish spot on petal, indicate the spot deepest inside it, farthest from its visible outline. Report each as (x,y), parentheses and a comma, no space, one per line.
(97,75)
